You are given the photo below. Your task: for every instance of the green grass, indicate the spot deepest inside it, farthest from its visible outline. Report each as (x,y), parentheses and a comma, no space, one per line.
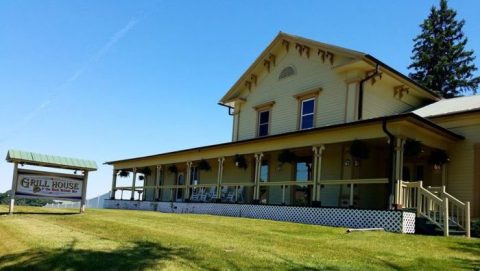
(59,239)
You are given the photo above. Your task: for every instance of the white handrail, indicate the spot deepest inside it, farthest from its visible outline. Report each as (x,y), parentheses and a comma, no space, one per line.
(435,204)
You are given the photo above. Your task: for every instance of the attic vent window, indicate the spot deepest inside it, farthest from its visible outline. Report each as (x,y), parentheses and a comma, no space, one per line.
(286,72)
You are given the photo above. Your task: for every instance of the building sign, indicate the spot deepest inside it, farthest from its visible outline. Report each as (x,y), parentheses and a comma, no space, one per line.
(31,185)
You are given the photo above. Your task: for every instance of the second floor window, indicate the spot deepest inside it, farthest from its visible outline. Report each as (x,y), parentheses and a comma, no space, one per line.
(263,122)
(307,114)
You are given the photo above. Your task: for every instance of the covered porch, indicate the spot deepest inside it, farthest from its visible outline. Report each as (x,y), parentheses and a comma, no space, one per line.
(353,165)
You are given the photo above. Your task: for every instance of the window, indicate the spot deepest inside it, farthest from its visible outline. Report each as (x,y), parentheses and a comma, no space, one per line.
(264,172)
(263,117)
(263,122)
(307,114)
(303,171)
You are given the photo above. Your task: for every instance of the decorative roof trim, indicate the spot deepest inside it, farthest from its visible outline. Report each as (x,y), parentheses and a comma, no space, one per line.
(283,40)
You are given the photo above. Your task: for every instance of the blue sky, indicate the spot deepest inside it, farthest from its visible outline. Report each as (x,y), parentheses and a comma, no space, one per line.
(107,80)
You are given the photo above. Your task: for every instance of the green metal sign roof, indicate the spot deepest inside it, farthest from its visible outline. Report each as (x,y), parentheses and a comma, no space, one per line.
(37,159)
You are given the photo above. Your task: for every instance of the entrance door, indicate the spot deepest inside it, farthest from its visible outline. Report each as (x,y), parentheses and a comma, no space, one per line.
(180,181)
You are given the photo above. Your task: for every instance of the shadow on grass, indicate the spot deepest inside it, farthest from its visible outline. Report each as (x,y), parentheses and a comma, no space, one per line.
(469,247)
(140,256)
(41,213)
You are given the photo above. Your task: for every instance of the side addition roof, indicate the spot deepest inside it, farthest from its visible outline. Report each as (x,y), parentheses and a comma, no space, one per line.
(37,159)
(450,106)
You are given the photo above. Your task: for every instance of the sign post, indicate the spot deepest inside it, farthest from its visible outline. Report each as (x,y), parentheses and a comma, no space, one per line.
(12,192)
(84,192)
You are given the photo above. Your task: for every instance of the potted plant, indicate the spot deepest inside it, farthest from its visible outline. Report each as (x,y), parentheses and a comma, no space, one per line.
(287,156)
(359,150)
(204,165)
(240,161)
(146,171)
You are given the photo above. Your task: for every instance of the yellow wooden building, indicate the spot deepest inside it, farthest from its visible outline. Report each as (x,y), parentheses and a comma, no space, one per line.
(324,135)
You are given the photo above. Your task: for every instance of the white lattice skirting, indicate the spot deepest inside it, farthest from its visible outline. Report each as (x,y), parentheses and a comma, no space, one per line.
(394,221)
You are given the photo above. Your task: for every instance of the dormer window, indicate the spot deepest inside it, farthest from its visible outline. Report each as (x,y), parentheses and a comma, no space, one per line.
(286,72)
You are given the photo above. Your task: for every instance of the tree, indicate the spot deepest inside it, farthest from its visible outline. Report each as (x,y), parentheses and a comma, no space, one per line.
(5,199)
(440,61)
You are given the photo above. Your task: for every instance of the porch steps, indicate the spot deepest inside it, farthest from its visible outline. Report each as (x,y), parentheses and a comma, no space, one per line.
(424,226)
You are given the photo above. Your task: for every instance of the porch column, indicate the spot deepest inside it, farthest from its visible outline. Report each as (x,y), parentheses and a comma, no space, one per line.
(317,170)
(444,175)
(398,168)
(258,164)
(114,184)
(187,181)
(157,182)
(132,196)
(220,177)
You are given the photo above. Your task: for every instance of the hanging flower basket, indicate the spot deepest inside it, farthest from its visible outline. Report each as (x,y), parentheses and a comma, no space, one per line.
(124,173)
(204,165)
(141,177)
(173,169)
(412,148)
(286,156)
(146,171)
(240,161)
(438,157)
(359,150)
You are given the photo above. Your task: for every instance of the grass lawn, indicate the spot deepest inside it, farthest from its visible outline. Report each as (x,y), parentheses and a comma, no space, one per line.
(61,239)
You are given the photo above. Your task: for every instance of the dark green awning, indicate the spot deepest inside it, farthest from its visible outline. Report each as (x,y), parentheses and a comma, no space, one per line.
(37,159)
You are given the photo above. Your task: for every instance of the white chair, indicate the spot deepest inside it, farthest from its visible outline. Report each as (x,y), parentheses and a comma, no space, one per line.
(212,194)
(203,195)
(230,197)
(195,195)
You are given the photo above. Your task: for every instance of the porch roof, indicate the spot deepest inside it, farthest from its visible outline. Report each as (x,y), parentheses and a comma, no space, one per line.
(345,128)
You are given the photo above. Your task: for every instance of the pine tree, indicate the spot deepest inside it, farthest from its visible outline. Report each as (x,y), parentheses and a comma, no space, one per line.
(440,61)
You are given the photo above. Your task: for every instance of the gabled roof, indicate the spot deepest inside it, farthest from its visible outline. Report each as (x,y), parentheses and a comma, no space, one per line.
(370,60)
(37,159)
(450,106)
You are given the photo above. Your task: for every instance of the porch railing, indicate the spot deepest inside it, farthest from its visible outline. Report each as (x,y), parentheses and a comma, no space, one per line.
(351,183)
(434,204)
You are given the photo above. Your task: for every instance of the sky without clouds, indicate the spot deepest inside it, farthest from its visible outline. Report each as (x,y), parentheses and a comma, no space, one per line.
(107,80)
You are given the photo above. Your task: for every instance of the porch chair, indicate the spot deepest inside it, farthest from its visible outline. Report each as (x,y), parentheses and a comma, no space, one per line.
(230,197)
(195,195)
(203,195)
(212,194)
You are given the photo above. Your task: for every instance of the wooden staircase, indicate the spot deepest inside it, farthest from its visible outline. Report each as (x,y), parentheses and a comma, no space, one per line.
(437,211)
